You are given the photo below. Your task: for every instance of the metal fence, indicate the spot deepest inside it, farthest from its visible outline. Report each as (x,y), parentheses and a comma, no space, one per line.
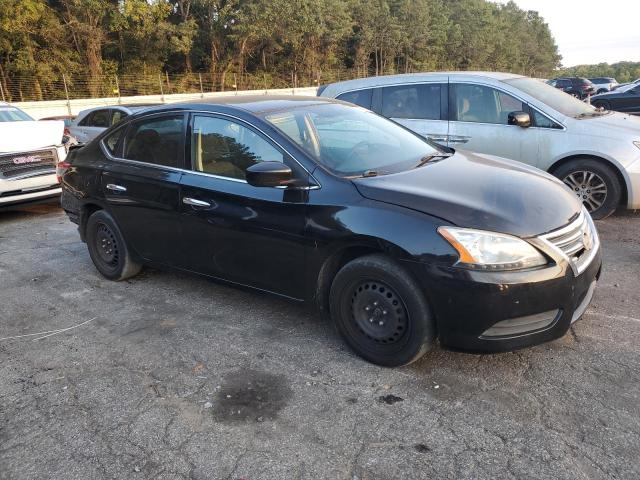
(24,88)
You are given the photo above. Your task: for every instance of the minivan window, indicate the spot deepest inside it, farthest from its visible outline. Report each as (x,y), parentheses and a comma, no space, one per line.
(482,104)
(226,148)
(117,116)
(97,118)
(156,140)
(554,98)
(358,97)
(419,101)
(350,141)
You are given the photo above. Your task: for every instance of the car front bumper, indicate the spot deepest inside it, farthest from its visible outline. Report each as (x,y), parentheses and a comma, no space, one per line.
(633,185)
(503,311)
(28,190)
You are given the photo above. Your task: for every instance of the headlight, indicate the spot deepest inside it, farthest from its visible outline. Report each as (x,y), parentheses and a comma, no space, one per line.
(637,144)
(480,250)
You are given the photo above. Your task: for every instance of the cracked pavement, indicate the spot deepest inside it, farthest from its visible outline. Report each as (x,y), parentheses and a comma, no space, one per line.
(178,377)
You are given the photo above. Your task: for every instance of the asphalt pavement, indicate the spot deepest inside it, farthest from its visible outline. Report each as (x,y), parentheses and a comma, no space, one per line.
(172,376)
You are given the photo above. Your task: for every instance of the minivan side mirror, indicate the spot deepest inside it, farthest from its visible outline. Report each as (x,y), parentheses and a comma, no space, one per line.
(269,174)
(521,119)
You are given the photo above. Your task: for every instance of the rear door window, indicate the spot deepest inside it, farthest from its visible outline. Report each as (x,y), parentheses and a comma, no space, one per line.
(417,101)
(156,140)
(358,97)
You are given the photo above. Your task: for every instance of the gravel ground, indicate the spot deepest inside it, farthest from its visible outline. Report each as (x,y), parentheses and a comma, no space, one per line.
(175,376)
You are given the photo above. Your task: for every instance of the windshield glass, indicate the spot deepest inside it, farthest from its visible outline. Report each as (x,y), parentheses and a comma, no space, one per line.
(555,98)
(624,88)
(351,141)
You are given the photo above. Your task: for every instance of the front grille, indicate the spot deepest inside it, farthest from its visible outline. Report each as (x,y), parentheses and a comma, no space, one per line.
(20,164)
(578,241)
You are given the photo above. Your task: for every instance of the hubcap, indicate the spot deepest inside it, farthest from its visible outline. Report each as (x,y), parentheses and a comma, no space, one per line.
(588,187)
(378,312)
(106,244)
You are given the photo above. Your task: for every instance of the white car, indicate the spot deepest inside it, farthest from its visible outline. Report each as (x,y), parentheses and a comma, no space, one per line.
(604,84)
(595,153)
(91,122)
(29,153)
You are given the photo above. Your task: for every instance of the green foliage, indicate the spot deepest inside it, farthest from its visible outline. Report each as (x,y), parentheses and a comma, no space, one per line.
(621,71)
(244,43)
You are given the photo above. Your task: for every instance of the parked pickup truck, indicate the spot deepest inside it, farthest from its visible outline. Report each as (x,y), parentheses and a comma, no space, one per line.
(29,153)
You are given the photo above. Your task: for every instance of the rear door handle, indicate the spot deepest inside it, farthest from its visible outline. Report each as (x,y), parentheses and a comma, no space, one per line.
(453,139)
(116,188)
(194,202)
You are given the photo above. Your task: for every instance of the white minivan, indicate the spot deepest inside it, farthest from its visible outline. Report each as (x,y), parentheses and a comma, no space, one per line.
(595,153)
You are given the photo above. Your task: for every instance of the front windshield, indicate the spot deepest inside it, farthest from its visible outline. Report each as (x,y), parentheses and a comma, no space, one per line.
(553,97)
(624,88)
(12,114)
(352,141)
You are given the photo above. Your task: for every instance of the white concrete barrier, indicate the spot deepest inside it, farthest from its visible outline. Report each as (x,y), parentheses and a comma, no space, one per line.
(52,108)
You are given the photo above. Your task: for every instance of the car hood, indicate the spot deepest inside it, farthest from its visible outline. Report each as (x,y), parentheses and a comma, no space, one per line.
(619,124)
(479,191)
(30,135)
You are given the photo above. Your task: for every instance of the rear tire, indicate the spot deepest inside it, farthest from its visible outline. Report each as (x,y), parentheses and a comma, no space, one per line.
(380,311)
(602,104)
(108,249)
(595,183)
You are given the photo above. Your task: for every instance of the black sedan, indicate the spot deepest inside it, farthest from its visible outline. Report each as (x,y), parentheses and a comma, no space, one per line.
(400,241)
(624,99)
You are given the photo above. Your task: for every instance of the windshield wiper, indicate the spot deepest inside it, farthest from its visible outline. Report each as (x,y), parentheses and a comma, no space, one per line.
(429,158)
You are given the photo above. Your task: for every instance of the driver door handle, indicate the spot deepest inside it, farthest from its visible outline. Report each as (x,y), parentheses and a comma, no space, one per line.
(454,139)
(194,202)
(116,188)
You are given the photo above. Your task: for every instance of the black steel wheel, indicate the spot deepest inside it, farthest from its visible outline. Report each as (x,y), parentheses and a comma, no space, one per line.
(594,182)
(107,248)
(380,311)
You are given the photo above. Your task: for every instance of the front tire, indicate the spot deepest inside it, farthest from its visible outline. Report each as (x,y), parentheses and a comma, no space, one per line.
(380,311)
(602,104)
(595,183)
(107,248)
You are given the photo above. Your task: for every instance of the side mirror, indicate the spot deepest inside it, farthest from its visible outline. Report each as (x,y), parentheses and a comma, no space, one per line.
(521,119)
(269,174)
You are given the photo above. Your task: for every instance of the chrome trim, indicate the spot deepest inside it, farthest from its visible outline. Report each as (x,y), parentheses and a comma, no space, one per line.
(116,188)
(578,224)
(108,154)
(520,326)
(195,202)
(580,309)
(30,175)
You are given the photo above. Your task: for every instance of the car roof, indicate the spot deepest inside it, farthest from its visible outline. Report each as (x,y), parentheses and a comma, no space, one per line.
(256,104)
(131,107)
(340,87)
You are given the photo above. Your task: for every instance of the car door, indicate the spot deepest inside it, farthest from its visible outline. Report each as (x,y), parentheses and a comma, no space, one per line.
(479,122)
(421,107)
(235,231)
(141,184)
(628,101)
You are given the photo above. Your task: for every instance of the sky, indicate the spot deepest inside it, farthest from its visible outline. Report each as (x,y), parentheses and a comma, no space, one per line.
(590,31)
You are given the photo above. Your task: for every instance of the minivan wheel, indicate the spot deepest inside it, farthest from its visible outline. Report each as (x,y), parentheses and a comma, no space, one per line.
(380,311)
(594,183)
(107,248)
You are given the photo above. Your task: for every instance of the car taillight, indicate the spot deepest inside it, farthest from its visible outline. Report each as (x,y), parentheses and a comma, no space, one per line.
(66,131)
(61,168)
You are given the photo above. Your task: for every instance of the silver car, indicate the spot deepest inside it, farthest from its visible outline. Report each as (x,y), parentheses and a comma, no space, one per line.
(91,122)
(596,153)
